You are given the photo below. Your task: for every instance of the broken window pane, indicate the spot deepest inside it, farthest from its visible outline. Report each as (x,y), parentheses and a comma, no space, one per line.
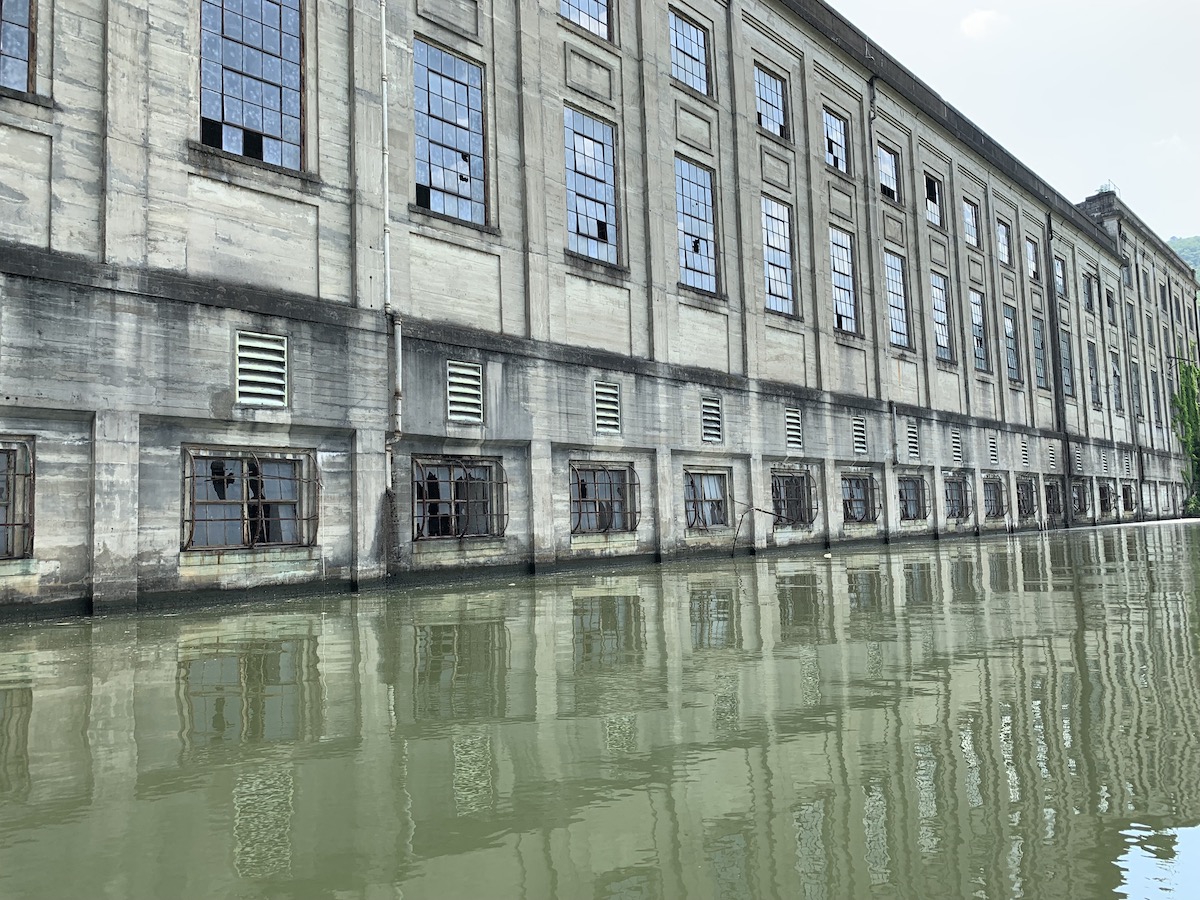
(792,499)
(933,201)
(770,102)
(697,233)
(837,152)
(458,497)
(591,187)
(243,499)
(889,173)
(704,499)
(603,498)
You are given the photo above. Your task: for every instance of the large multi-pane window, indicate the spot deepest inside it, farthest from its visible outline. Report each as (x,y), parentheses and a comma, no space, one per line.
(590,14)
(603,498)
(1118,397)
(16,499)
(697,229)
(971,222)
(689,52)
(448,99)
(705,499)
(941,317)
(1060,276)
(456,497)
(1155,404)
(979,331)
(1135,389)
(243,499)
(1094,374)
(1039,353)
(893,267)
(591,186)
(1011,346)
(792,499)
(889,172)
(841,264)
(1068,363)
(933,200)
(837,152)
(1089,293)
(1031,259)
(1004,242)
(17,44)
(777,256)
(250,79)
(770,101)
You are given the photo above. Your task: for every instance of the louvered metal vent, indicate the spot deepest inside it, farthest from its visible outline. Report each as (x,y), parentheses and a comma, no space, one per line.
(1128,466)
(606,398)
(1104,462)
(956,450)
(859,431)
(1025,454)
(993,450)
(262,378)
(1078,460)
(914,440)
(710,420)
(1053,457)
(464,391)
(793,427)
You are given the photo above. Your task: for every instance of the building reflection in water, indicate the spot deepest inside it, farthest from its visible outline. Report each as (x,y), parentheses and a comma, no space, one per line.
(995,718)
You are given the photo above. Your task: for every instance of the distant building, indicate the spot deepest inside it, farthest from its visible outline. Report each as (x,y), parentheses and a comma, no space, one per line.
(642,279)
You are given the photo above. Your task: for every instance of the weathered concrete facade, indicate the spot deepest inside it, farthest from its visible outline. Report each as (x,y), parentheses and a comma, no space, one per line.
(451,367)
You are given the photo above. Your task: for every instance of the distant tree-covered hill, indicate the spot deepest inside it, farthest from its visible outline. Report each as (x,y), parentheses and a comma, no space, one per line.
(1189,249)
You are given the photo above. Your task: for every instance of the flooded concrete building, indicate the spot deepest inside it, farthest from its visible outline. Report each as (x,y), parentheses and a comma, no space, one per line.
(292,292)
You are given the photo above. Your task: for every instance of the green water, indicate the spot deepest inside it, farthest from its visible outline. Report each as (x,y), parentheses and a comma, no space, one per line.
(1015,717)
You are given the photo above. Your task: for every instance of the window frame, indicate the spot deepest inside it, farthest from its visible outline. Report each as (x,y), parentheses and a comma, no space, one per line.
(215,131)
(862,509)
(846,289)
(685,79)
(1004,242)
(1060,278)
(770,252)
(1012,346)
(1118,400)
(913,504)
(483,178)
(943,353)
(578,241)
(883,150)
(801,499)
(1067,354)
(1033,259)
(971,223)
(829,118)
(995,502)
(697,507)
(1041,371)
(896,286)
(956,490)
(17,496)
(782,129)
(307,499)
(496,514)
(979,336)
(630,512)
(1093,361)
(581,15)
(1027,498)
(31,48)
(682,179)
(935,205)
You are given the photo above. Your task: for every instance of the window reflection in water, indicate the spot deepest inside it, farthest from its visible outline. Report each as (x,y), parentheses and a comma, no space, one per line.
(460,671)
(810,820)
(606,631)
(714,620)
(474,773)
(608,675)
(730,858)
(804,616)
(16,706)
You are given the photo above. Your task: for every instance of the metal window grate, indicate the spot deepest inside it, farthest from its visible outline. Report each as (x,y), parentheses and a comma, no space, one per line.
(793,428)
(262,373)
(464,392)
(914,440)
(995,499)
(912,495)
(958,498)
(16,499)
(792,499)
(455,497)
(705,496)
(859,499)
(993,450)
(606,400)
(604,498)
(710,420)
(1025,454)
(858,430)
(1026,498)
(956,446)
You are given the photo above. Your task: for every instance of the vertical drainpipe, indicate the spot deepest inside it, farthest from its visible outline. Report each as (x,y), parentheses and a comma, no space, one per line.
(389,310)
(1060,397)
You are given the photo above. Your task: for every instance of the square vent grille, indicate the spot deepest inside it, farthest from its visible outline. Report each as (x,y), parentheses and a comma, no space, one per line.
(464,392)
(606,399)
(710,420)
(262,376)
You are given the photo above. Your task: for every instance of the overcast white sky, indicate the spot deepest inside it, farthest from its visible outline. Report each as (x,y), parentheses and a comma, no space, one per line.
(1082,91)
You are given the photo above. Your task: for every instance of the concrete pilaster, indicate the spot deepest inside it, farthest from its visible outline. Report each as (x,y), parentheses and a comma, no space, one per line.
(115,445)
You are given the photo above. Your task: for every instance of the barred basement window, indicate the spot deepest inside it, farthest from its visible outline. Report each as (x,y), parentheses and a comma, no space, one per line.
(971,222)
(710,420)
(841,265)
(1053,499)
(859,503)
(16,498)
(837,153)
(893,266)
(251,81)
(705,499)
(1032,259)
(1011,347)
(933,200)
(464,392)
(914,440)
(993,450)
(262,373)
(689,52)
(1080,497)
(1128,502)
(697,230)
(17,44)
(956,446)
(590,14)
(792,499)
(793,427)
(606,399)
(448,106)
(889,173)
(1026,498)
(958,498)
(1106,499)
(1039,353)
(858,434)
(995,499)
(777,255)
(604,498)
(914,505)
(1004,242)
(941,317)
(770,101)
(591,186)
(456,497)
(235,498)
(979,332)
